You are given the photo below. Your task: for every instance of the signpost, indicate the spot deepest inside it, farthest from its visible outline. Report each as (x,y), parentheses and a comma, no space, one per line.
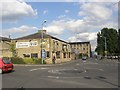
(44,54)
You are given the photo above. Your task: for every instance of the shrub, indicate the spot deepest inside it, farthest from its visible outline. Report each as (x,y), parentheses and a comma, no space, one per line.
(39,61)
(80,55)
(17,60)
(29,61)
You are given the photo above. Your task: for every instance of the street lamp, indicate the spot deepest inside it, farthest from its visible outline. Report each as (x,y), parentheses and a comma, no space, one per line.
(43,24)
(42,40)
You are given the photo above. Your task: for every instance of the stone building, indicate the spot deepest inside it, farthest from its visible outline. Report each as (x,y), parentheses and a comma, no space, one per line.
(83,48)
(5,47)
(43,45)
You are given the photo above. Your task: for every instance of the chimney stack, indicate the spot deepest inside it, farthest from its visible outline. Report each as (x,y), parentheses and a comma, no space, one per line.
(42,31)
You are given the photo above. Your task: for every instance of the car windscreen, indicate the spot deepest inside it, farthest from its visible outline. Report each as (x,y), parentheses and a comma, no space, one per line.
(6,61)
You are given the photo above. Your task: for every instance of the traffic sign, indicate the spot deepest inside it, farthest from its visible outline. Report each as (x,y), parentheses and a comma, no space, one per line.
(44,54)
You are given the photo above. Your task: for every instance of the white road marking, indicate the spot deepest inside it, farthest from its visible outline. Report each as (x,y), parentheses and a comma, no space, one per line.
(33,70)
(57,77)
(75,69)
(53,71)
(95,69)
(37,69)
(101,69)
(77,64)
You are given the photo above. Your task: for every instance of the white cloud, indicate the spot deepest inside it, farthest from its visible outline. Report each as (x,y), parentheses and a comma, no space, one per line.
(96,10)
(84,37)
(55,30)
(15,10)
(98,0)
(20,31)
(61,16)
(67,11)
(45,11)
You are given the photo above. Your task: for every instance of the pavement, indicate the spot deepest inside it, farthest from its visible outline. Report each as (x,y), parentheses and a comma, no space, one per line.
(74,74)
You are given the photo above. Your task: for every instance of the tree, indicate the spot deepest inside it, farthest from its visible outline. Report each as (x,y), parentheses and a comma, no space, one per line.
(119,42)
(13,49)
(108,36)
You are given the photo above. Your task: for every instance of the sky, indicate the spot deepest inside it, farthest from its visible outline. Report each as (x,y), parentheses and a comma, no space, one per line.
(67,20)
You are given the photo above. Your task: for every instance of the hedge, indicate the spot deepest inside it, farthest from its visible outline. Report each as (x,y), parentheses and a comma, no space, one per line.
(18,60)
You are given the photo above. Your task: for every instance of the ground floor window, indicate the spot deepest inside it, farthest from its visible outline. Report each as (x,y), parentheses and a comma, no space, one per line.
(69,55)
(26,55)
(48,54)
(34,55)
(58,54)
(64,55)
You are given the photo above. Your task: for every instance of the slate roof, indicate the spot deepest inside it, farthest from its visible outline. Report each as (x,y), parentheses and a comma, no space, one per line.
(37,36)
(4,39)
(79,42)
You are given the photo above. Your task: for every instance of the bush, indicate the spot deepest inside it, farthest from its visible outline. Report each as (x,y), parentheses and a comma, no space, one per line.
(80,55)
(17,60)
(34,61)
(39,61)
(28,60)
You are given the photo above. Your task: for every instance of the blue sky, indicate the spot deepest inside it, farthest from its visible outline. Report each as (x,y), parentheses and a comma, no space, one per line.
(69,21)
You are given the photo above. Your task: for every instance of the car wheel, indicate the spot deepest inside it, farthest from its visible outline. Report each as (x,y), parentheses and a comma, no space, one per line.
(0,71)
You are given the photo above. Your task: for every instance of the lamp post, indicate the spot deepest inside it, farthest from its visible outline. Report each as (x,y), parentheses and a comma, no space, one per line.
(42,40)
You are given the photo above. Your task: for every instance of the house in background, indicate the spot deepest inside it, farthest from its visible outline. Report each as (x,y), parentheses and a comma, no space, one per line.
(5,47)
(83,48)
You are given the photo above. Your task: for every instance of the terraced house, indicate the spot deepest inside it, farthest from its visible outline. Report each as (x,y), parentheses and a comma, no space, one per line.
(42,45)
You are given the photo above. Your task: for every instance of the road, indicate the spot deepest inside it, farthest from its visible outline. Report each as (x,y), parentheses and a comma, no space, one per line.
(74,74)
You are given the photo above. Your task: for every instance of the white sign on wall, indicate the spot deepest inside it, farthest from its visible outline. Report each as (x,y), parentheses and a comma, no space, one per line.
(33,43)
(26,44)
(22,44)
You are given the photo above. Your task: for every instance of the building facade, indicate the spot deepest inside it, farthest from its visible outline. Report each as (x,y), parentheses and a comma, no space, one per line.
(42,45)
(83,48)
(5,47)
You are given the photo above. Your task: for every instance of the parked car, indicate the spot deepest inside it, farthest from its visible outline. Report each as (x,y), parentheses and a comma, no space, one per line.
(5,65)
(84,58)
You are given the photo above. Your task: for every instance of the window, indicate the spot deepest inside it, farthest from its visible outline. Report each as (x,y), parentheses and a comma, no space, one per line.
(26,55)
(83,48)
(64,55)
(69,55)
(34,55)
(48,54)
(58,54)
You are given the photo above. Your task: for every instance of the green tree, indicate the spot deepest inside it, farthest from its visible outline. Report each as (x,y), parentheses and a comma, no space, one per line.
(119,42)
(13,49)
(108,36)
